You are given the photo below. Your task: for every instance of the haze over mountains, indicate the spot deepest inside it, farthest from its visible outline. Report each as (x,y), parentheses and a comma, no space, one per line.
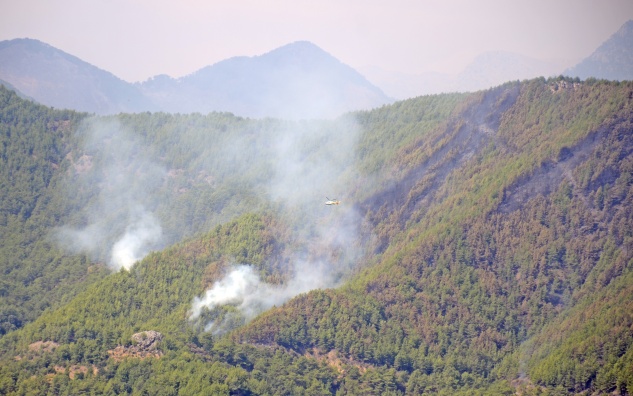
(611,61)
(296,81)
(57,79)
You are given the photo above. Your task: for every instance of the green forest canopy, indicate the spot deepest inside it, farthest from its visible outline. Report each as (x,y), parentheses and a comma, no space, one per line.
(484,240)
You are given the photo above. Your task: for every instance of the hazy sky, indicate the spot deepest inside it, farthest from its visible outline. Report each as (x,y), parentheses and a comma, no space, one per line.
(138,39)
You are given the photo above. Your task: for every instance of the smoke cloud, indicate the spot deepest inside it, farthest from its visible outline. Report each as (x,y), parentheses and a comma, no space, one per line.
(127,196)
(118,226)
(243,288)
(312,161)
(322,261)
(139,237)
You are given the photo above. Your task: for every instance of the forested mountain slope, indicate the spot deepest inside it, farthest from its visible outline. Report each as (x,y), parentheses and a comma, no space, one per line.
(36,274)
(104,191)
(531,219)
(483,245)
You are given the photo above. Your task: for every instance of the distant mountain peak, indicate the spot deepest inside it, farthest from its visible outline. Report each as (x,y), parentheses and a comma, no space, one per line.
(626,30)
(32,47)
(302,45)
(297,80)
(34,43)
(301,53)
(299,48)
(56,78)
(612,60)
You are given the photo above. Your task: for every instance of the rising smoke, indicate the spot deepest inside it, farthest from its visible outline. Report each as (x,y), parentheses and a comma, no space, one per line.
(140,235)
(117,227)
(244,289)
(303,162)
(311,161)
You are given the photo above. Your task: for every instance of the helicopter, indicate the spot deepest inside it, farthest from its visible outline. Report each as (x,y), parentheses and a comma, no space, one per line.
(332,201)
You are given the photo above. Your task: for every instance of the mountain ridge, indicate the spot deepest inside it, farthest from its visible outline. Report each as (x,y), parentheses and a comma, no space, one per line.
(58,79)
(235,85)
(298,80)
(611,60)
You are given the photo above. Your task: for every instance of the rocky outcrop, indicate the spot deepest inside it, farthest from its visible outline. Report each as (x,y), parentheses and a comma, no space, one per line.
(147,340)
(145,345)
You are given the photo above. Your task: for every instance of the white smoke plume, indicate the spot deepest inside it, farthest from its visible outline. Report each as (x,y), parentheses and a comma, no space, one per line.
(136,242)
(118,226)
(311,161)
(295,165)
(244,289)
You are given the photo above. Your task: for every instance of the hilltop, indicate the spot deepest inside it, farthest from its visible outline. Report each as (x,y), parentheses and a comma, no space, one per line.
(57,79)
(296,81)
(611,61)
